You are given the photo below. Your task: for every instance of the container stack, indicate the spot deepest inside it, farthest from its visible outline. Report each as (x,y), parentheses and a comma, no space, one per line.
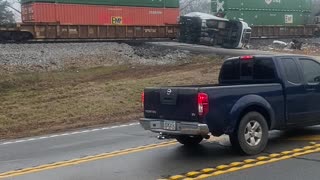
(265,12)
(101,12)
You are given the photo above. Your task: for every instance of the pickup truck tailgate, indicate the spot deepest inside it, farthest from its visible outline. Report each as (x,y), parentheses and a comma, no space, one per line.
(178,104)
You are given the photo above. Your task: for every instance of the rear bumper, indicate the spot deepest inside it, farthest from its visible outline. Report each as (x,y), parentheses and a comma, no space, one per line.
(182,128)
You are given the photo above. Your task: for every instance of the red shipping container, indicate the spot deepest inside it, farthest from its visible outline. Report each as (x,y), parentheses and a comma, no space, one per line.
(98,15)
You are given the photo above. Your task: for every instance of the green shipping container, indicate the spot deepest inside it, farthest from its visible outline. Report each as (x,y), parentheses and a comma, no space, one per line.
(270,18)
(136,3)
(279,5)
(222,5)
(172,3)
(265,12)
(264,5)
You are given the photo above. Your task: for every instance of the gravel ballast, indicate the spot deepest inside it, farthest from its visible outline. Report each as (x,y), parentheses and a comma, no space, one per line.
(60,56)
(310,46)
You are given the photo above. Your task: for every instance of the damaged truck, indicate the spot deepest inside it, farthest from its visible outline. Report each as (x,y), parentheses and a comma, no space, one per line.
(201,28)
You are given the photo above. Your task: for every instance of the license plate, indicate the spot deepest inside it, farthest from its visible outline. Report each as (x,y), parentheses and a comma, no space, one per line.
(169,125)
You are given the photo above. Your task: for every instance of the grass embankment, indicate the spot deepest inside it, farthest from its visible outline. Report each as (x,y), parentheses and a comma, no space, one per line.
(39,103)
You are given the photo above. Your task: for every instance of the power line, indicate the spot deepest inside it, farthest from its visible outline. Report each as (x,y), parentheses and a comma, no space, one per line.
(14,9)
(11,7)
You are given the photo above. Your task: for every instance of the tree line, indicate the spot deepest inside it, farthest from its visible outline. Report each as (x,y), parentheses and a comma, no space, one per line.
(6,16)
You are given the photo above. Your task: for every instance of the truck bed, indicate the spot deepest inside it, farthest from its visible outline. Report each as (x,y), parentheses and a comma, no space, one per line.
(179,103)
(225,100)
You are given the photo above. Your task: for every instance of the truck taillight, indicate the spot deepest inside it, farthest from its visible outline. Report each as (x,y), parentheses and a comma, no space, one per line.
(203,104)
(142,100)
(246,58)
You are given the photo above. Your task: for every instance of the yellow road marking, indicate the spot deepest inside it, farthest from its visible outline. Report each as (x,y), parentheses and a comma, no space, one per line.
(85,159)
(208,172)
(249,163)
(176,177)
(193,174)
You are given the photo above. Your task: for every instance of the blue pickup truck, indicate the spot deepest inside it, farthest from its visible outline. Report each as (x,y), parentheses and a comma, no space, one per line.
(255,94)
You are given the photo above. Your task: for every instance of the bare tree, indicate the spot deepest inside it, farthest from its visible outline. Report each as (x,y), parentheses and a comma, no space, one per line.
(6,16)
(188,6)
(316,7)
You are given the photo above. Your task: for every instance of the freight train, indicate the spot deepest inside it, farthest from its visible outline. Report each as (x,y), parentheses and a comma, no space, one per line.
(51,20)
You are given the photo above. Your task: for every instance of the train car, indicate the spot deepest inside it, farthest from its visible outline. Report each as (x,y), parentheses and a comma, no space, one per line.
(58,32)
(285,31)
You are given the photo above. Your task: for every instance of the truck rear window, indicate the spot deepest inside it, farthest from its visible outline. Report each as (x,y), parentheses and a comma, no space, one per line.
(259,69)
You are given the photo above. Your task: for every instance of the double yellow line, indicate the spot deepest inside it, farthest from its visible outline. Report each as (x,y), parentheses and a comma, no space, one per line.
(193,175)
(249,163)
(84,159)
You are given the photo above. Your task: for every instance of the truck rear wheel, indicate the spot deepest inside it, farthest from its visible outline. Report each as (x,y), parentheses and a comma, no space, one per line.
(251,136)
(189,140)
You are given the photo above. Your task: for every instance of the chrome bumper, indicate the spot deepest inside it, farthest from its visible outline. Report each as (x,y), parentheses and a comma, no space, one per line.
(182,128)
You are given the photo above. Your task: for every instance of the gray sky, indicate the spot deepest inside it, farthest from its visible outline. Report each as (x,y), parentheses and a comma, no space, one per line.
(17,6)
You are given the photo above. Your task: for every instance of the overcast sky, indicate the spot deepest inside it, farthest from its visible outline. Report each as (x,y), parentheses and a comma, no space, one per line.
(16,5)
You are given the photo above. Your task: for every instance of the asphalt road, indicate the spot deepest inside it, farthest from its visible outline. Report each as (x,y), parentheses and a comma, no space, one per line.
(92,156)
(195,48)
(305,167)
(202,49)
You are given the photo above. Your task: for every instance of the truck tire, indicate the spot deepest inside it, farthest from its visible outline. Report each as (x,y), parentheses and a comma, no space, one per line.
(189,140)
(251,135)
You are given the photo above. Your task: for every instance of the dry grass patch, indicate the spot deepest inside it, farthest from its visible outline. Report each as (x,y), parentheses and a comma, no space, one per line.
(38,103)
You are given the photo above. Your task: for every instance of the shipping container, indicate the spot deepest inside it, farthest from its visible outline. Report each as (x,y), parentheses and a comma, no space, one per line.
(136,3)
(263,5)
(53,32)
(270,17)
(265,12)
(171,3)
(290,5)
(76,14)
